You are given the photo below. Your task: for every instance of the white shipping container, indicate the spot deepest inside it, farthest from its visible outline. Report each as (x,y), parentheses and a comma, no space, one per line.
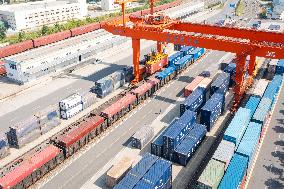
(260,87)
(118,171)
(71,112)
(88,99)
(70,102)
(224,152)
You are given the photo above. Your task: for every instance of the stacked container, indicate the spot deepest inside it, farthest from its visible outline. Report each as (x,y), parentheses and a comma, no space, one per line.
(178,47)
(24,132)
(189,144)
(235,172)
(252,104)
(194,101)
(224,152)
(158,176)
(137,172)
(4,147)
(271,68)
(262,111)
(128,71)
(260,88)
(221,83)
(176,133)
(192,86)
(237,127)
(174,58)
(142,137)
(183,62)
(273,88)
(157,144)
(211,111)
(206,84)
(118,171)
(231,69)
(249,141)
(197,53)
(70,106)
(118,79)
(186,50)
(48,118)
(103,87)
(211,175)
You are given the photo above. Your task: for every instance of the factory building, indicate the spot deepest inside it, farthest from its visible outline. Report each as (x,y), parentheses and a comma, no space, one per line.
(33,64)
(26,16)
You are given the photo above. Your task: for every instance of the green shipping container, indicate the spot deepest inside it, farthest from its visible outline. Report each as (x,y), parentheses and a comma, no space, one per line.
(211,175)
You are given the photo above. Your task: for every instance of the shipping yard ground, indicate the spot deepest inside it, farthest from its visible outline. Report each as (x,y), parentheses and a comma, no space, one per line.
(268,170)
(87,167)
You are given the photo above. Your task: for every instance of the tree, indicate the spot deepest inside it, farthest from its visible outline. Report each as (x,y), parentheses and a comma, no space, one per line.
(44,30)
(58,27)
(22,36)
(3,31)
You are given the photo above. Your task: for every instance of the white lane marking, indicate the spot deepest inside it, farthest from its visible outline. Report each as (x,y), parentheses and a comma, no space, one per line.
(279,136)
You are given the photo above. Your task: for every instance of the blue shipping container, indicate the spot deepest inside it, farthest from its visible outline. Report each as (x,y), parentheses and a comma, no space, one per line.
(194,101)
(234,173)
(252,104)
(237,127)
(183,61)
(197,53)
(179,130)
(231,69)
(211,111)
(159,173)
(198,132)
(250,140)
(221,83)
(262,110)
(174,58)
(273,88)
(186,50)
(143,165)
(280,67)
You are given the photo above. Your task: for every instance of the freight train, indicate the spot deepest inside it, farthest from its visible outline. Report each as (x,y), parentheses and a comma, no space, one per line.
(45,40)
(35,164)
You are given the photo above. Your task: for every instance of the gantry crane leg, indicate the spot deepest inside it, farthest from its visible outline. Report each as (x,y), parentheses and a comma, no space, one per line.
(136,58)
(159,47)
(251,68)
(240,72)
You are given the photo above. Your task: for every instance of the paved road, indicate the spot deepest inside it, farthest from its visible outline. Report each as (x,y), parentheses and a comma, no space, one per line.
(83,84)
(77,173)
(269,168)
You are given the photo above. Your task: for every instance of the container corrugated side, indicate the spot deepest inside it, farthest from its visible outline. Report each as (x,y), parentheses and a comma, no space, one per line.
(211,175)
(252,104)
(221,83)
(194,101)
(235,172)
(280,67)
(192,86)
(224,152)
(129,181)
(250,140)
(262,110)
(159,173)
(142,137)
(237,127)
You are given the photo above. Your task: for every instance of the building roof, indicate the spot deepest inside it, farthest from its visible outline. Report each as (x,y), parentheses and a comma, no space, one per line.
(33,5)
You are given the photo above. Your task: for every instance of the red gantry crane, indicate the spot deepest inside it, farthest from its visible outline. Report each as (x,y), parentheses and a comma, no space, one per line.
(160,28)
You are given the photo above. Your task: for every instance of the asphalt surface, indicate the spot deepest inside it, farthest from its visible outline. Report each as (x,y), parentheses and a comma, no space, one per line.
(268,171)
(83,84)
(89,163)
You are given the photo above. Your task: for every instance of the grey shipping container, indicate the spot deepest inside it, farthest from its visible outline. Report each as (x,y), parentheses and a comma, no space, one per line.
(220,84)
(24,127)
(4,147)
(47,114)
(224,152)
(20,142)
(88,99)
(142,137)
(49,125)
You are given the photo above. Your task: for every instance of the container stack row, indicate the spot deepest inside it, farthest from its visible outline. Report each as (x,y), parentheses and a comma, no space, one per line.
(233,158)
(150,172)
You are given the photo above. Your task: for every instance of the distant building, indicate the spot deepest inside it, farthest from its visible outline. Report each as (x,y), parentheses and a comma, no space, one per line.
(25,16)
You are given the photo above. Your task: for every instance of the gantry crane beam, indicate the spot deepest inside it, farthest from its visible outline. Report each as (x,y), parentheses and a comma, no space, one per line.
(253,35)
(237,46)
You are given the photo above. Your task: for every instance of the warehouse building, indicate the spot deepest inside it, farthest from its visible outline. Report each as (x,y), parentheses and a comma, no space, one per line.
(33,64)
(26,16)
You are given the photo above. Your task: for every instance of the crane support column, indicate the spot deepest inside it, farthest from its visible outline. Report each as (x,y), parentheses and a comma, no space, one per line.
(136,59)
(240,72)
(160,47)
(251,68)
